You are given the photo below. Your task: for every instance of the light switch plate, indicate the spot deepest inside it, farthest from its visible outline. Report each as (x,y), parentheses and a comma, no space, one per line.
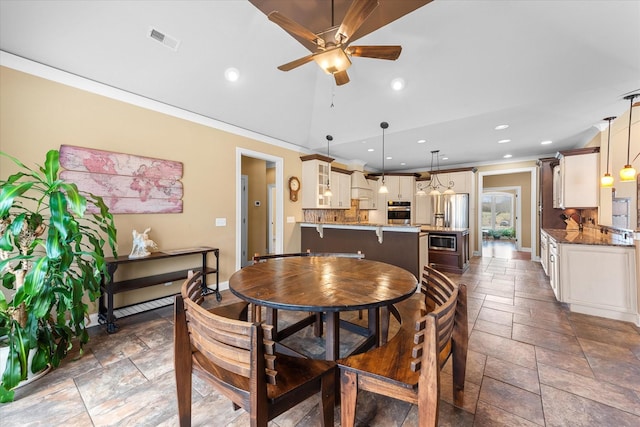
(291,219)
(221,222)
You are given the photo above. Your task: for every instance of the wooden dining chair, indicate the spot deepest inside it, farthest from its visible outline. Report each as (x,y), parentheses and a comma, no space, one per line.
(408,366)
(238,359)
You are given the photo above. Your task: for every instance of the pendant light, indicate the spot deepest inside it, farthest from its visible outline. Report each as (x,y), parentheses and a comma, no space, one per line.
(383,188)
(435,183)
(606,180)
(628,173)
(327,192)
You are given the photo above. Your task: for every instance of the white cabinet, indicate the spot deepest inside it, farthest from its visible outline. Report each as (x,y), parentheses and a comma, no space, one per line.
(579,181)
(544,251)
(315,177)
(599,280)
(341,190)
(401,188)
(462,181)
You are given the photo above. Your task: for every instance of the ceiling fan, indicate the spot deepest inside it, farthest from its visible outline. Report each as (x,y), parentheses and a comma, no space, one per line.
(332,45)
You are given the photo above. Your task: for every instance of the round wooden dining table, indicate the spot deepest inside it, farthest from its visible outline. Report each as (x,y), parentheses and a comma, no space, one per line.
(329,285)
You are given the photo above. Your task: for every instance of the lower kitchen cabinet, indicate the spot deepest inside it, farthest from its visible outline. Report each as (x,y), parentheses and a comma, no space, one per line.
(599,280)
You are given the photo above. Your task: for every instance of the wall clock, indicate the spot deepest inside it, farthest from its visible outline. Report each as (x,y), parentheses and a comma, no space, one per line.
(294,187)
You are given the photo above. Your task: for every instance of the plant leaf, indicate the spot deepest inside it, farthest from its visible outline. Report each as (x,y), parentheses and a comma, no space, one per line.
(9,193)
(52,166)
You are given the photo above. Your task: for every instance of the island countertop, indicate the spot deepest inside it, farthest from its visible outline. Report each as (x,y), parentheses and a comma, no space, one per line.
(400,228)
(589,236)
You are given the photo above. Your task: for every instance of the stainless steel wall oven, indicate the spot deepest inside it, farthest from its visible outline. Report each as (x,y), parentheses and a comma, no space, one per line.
(398,212)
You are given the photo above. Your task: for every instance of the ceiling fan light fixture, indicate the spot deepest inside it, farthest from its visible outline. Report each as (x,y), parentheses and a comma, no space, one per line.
(333,60)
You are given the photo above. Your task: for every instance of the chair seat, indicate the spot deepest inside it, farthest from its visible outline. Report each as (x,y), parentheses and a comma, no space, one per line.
(236,310)
(391,360)
(293,373)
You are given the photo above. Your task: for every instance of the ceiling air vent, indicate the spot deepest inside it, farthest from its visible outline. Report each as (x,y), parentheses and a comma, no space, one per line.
(166,40)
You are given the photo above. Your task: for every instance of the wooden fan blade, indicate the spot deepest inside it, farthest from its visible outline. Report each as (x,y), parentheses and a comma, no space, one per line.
(358,12)
(379,52)
(294,28)
(341,78)
(298,62)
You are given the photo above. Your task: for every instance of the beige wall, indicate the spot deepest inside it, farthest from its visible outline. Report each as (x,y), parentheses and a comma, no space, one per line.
(37,115)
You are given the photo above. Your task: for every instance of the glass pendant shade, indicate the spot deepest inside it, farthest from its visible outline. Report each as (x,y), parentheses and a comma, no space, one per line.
(606,180)
(383,189)
(327,192)
(421,192)
(627,174)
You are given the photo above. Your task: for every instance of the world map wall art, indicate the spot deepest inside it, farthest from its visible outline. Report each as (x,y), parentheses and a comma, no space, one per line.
(127,183)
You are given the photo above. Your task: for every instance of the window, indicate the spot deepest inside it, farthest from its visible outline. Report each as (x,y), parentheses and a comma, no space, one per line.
(498,213)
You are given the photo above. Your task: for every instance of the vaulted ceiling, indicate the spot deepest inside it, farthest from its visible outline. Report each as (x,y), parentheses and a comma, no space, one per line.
(551,70)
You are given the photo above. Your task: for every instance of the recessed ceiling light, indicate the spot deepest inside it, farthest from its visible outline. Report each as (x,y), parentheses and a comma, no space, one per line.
(504,141)
(371,149)
(500,127)
(232,74)
(403,164)
(364,142)
(389,157)
(445,158)
(507,156)
(422,141)
(547,142)
(397,83)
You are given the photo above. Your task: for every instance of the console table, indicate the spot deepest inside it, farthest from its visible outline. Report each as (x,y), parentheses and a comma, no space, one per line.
(111,287)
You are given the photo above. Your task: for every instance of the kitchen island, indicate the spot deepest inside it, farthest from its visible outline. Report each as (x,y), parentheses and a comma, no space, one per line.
(402,245)
(449,249)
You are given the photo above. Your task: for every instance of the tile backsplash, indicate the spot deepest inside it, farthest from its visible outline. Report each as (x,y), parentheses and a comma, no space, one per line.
(351,215)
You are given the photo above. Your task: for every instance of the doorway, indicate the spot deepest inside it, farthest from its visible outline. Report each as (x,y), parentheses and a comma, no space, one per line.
(522,182)
(241,210)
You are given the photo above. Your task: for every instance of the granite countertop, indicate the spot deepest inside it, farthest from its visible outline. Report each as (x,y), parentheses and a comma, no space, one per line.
(362,225)
(589,236)
(433,228)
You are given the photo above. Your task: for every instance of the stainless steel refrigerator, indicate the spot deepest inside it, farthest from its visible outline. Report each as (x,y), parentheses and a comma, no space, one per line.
(450,210)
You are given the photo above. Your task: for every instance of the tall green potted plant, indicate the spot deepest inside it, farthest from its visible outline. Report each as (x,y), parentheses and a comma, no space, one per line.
(51,260)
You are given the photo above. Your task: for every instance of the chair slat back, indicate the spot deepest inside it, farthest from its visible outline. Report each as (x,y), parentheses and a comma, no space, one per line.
(226,342)
(441,296)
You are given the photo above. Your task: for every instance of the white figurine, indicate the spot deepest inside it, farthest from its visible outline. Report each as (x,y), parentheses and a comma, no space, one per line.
(141,242)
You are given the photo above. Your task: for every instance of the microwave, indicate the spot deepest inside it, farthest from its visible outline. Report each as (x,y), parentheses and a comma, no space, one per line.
(443,242)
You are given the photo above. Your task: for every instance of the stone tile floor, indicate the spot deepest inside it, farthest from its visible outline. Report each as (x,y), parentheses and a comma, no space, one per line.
(530,362)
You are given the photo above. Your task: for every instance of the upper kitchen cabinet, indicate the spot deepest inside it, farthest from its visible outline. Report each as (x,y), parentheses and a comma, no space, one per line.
(579,182)
(340,188)
(401,187)
(315,178)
